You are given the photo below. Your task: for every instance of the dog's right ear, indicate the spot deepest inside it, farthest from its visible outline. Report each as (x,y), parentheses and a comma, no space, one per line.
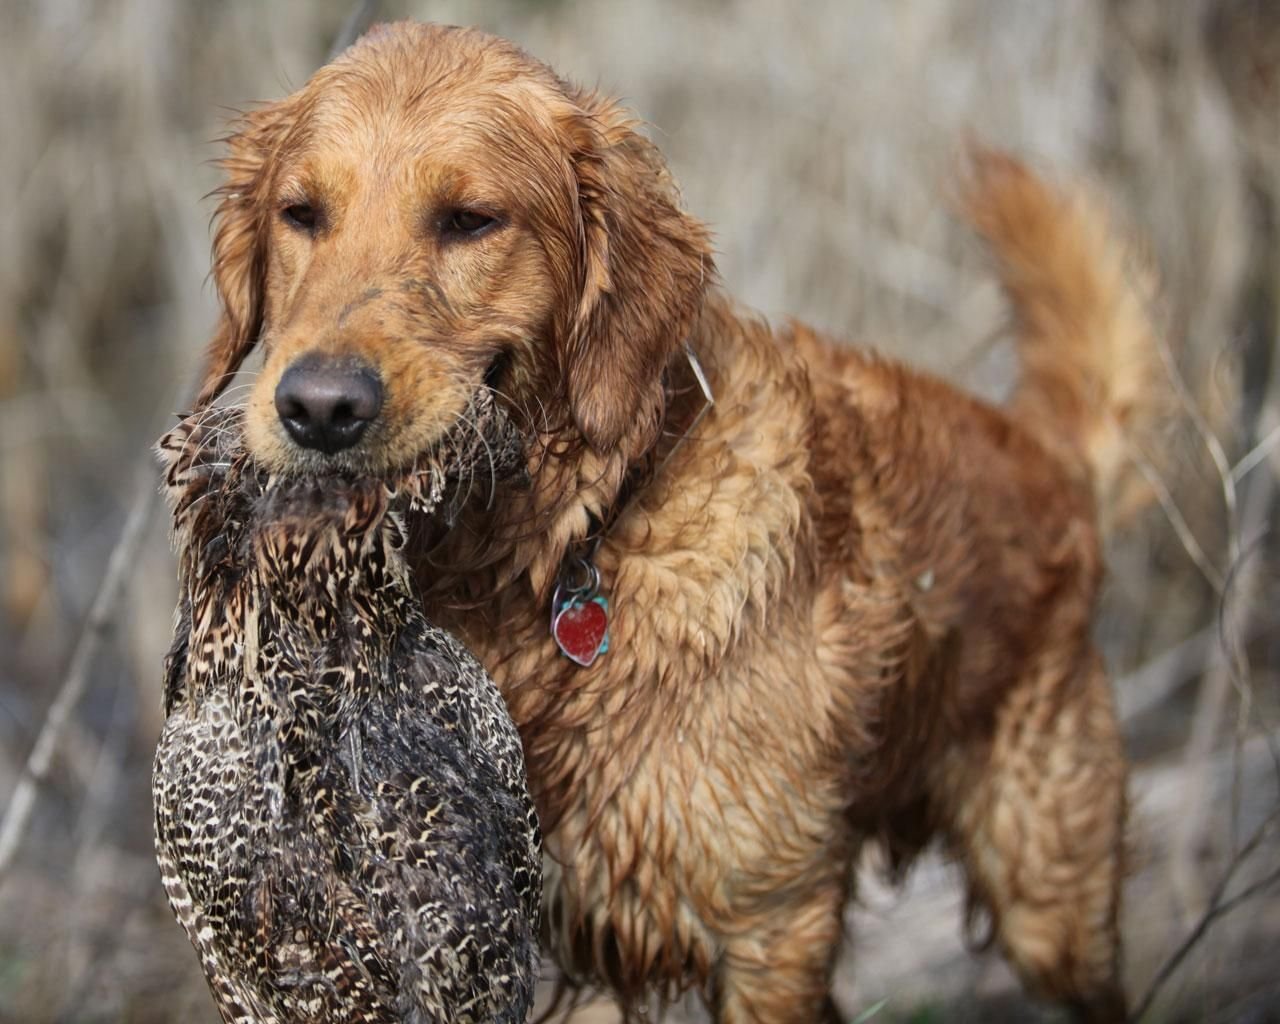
(240,240)
(644,267)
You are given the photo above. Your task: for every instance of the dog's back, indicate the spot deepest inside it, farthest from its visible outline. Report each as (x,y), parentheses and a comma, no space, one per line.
(992,712)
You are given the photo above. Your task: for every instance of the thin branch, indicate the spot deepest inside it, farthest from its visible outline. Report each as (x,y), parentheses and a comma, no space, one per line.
(1211,443)
(101,614)
(1178,521)
(1242,584)
(1218,908)
(1152,683)
(1232,670)
(1255,455)
(1156,680)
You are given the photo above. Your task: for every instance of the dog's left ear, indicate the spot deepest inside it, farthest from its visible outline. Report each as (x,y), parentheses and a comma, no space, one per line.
(644,266)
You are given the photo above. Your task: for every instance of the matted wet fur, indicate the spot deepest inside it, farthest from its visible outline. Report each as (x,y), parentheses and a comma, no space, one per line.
(342,821)
(855,605)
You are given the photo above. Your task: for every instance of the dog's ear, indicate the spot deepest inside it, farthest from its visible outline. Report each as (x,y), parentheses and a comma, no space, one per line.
(644,266)
(239,241)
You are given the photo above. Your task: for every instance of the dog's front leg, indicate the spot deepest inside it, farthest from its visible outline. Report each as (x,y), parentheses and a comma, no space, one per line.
(779,970)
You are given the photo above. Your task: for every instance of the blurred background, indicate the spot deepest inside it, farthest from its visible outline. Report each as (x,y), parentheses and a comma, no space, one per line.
(819,140)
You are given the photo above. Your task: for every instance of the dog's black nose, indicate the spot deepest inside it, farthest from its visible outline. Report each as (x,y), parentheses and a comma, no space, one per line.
(326,403)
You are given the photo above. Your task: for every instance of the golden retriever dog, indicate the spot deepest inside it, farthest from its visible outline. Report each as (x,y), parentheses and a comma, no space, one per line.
(845,602)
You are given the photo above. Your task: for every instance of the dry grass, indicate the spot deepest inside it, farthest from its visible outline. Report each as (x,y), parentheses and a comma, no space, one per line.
(818,140)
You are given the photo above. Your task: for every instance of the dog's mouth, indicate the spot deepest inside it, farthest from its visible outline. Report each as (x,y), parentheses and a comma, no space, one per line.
(496,373)
(207,453)
(405,433)
(483,449)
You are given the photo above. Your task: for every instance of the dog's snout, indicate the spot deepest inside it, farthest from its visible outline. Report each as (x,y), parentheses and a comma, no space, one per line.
(326,404)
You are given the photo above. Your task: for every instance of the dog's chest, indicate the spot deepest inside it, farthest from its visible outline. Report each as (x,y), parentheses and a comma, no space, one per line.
(677,806)
(674,772)
(670,769)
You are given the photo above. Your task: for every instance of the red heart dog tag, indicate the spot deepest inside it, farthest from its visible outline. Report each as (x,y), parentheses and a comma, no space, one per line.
(581,630)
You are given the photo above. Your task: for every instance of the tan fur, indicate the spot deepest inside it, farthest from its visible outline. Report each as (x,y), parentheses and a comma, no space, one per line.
(854,604)
(1091,369)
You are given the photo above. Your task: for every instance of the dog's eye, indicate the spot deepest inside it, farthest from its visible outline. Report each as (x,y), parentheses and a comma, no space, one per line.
(468,223)
(302,216)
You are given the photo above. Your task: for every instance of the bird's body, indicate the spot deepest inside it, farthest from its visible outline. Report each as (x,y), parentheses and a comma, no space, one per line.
(342,819)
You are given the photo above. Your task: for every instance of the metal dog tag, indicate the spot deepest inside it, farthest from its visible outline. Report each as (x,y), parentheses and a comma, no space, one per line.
(580,618)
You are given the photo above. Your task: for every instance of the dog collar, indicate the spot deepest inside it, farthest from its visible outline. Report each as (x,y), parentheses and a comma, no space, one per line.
(579,611)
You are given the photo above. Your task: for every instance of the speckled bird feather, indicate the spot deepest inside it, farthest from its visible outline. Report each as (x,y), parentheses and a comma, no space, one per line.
(342,819)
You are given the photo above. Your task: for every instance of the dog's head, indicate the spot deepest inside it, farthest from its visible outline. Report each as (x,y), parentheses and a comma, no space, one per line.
(432,214)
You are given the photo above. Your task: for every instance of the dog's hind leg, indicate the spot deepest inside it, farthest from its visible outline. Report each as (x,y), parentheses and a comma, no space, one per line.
(1037,818)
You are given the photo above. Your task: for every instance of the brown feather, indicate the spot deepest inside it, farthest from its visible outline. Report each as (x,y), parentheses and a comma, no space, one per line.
(342,820)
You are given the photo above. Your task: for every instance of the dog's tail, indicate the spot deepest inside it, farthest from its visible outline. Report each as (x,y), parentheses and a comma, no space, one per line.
(1091,382)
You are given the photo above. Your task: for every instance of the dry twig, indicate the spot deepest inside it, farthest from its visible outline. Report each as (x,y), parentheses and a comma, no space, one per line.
(101,613)
(1240,586)
(1218,908)
(100,620)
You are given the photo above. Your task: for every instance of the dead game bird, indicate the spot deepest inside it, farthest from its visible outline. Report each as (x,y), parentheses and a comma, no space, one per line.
(342,820)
